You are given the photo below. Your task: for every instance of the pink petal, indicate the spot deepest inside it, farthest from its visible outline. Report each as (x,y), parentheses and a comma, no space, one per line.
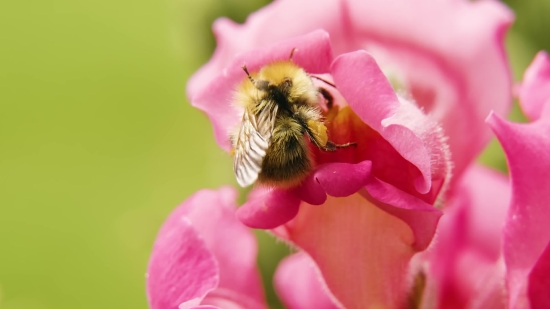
(464,260)
(412,134)
(539,282)
(361,251)
(456,70)
(258,31)
(181,268)
(334,179)
(228,299)
(526,233)
(485,281)
(300,285)
(421,217)
(535,89)
(211,215)
(233,245)
(491,292)
(485,195)
(313,53)
(269,208)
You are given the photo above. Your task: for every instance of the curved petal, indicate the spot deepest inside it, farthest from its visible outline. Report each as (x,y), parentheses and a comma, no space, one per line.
(539,282)
(268,208)
(334,179)
(535,88)
(232,248)
(229,299)
(233,245)
(413,135)
(266,27)
(526,232)
(458,75)
(465,259)
(300,285)
(485,195)
(361,251)
(421,217)
(489,282)
(181,269)
(313,53)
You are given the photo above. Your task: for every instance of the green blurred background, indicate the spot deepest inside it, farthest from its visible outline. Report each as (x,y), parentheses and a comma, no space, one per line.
(98,142)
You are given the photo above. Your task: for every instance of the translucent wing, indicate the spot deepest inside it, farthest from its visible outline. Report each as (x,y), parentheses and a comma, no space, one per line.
(252,142)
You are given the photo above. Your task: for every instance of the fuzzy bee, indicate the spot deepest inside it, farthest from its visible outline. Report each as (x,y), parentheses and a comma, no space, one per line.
(281,105)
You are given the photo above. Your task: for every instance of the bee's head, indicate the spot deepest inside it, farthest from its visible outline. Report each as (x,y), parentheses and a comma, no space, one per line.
(283,88)
(286,79)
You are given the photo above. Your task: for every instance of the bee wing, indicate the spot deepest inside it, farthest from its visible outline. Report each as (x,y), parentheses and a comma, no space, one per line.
(252,143)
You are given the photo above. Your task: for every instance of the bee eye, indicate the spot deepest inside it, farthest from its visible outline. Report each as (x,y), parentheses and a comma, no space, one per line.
(262,84)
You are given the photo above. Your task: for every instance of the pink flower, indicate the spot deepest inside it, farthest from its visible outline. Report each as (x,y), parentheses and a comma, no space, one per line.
(526,236)
(204,257)
(464,268)
(456,71)
(384,188)
(363,212)
(298,285)
(493,244)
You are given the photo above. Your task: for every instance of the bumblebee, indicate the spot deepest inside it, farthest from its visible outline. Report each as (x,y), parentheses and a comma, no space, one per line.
(281,106)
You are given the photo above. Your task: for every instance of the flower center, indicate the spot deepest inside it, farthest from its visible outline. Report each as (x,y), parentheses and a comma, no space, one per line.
(388,165)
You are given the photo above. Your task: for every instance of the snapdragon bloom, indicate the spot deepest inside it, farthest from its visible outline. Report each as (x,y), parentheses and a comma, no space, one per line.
(380,192)
(447,56)
(204,257)
(364,212)
(492,249)
(526,236)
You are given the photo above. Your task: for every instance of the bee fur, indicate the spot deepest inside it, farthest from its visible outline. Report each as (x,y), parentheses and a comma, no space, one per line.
(281,106)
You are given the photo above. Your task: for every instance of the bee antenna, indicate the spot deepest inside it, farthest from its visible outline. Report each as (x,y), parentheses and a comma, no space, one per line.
(292,53)
(324,81)
(248,74)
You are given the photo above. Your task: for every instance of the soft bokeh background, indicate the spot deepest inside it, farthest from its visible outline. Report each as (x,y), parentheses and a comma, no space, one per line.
(98,142)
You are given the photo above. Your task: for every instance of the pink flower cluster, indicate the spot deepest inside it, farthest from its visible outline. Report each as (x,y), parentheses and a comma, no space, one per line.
(406,218)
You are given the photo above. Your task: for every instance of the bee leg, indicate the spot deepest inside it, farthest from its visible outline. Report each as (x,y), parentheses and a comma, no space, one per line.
(328,97)
(346,145)
(331,146)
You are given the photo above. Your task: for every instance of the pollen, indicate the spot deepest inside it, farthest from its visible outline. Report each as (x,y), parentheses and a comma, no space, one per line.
(320,131)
